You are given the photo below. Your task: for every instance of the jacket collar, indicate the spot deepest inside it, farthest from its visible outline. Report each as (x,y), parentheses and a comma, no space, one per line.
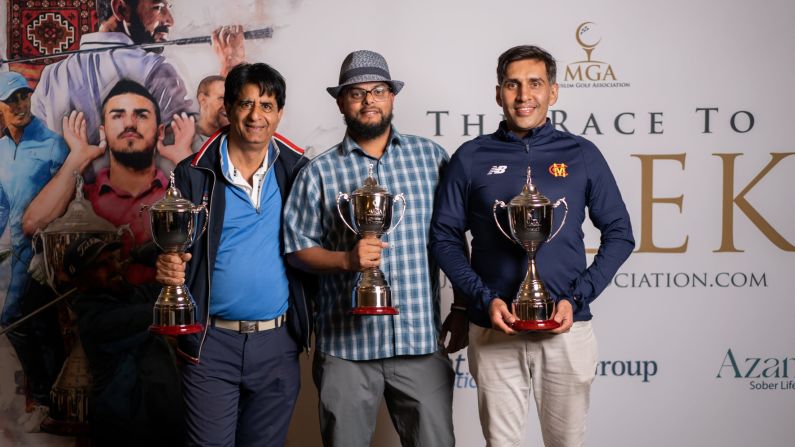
(536,135)
(31,130)
(209,155)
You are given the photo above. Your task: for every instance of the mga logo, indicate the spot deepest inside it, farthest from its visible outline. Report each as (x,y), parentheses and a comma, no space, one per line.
(558,169)
(589,72)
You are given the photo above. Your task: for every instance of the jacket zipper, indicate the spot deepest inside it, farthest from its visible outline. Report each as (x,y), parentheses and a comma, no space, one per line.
(209,274)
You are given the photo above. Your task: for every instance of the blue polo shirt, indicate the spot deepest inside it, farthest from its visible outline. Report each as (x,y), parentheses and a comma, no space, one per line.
(249,280)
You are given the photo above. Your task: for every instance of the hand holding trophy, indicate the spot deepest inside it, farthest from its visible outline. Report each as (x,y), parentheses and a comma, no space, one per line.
(530,220)
(370,215)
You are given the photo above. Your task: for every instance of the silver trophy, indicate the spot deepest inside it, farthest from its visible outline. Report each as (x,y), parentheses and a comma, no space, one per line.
(530,220)
(370,215)
(70,392)
(174,223)
(79,220)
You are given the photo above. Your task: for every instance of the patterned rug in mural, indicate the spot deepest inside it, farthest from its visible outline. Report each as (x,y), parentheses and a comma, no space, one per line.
(46,28)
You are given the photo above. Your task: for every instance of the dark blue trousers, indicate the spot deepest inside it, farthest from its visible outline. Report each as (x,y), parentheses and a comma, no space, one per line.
(243,391)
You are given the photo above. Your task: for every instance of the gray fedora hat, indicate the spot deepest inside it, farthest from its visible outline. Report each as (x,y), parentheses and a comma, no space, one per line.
(364,66)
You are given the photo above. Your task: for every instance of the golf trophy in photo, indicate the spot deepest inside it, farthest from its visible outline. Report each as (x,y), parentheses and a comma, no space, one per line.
(174,223)
(530,221)
(370,216)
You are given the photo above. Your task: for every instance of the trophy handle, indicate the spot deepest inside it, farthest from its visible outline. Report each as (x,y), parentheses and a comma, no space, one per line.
(197,210)
(127,229)
(37,236)
(402,198)
(343,196)
(501,204)
(562,222)
(49,273)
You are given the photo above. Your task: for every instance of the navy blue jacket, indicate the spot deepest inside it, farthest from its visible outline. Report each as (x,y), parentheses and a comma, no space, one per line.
(201,180)
(493,167)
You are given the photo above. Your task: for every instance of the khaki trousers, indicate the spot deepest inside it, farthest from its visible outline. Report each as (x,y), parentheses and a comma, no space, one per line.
(558,369)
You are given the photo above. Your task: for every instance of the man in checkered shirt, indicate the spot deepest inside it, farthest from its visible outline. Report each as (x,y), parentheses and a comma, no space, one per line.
(360,358)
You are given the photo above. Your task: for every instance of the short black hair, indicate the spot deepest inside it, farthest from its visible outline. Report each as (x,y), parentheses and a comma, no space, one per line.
(105,11)
(267,78)
(204,85)
(125,86)
(522,52)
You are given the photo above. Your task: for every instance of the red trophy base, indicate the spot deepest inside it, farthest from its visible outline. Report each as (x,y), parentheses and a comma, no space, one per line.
(176,330)
(534,325)
(374,310)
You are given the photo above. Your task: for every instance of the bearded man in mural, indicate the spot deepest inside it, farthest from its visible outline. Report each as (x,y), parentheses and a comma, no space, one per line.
(131,128)
(81,81)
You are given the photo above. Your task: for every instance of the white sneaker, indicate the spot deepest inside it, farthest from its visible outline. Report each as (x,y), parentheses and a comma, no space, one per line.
(37,416)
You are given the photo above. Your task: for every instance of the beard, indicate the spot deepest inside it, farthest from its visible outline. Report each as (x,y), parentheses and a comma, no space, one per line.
(140,35)
(137,161)
(360,130)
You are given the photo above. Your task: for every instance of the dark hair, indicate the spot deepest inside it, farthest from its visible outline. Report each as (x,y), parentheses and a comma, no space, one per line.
(204,85)
(264,76)
(105,11)
(522,52)
(126,86)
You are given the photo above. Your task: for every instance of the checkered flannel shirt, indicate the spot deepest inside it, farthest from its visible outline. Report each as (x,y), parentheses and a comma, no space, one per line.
(410,165)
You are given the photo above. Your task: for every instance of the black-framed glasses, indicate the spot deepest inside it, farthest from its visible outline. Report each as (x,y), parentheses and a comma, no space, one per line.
(379,93)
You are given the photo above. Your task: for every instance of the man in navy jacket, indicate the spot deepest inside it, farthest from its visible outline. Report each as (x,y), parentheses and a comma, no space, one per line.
(241,377)
(559,365)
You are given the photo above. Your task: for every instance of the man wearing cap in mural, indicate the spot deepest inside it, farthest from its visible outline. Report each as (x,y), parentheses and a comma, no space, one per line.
(81,81)
(131,127)
(559,365)
(361,359)
(30,154)
(135,395)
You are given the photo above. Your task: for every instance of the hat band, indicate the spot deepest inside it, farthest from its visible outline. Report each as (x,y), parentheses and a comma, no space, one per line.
(364,71)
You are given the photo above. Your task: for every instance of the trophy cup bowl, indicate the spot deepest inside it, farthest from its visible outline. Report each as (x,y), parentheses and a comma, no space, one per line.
(530,217)
(174,223)
(79,220)
(370,215)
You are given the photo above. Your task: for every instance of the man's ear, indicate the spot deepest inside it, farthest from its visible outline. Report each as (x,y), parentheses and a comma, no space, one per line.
(339,104)
(120,10)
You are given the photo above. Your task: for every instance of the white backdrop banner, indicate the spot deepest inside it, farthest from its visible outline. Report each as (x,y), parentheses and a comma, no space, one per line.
(691,105)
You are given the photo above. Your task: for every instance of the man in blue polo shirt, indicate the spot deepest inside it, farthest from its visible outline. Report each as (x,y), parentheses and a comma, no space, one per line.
(30,154)
(241,376)
(558,366)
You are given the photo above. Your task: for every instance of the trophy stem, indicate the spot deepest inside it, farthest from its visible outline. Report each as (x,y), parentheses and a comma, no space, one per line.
(372,295)
(532,306)
(532,289)
(174,313)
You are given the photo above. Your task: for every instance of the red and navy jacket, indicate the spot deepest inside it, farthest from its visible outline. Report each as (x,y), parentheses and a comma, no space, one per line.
(200,180)
(494,167)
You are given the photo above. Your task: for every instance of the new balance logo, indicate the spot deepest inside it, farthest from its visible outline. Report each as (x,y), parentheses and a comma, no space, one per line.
(497,170)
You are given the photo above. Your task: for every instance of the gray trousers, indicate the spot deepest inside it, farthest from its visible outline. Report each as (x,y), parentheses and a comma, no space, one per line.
(418,391)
